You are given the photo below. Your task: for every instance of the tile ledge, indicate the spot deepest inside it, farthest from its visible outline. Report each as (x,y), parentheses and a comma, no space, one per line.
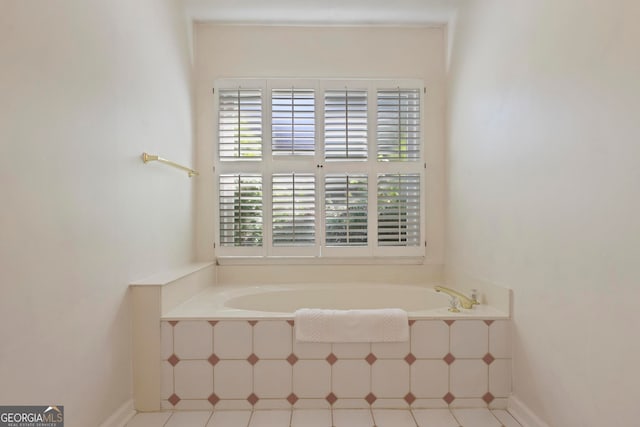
(171,275)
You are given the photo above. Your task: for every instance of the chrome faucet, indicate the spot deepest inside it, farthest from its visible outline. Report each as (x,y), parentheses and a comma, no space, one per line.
(465,301)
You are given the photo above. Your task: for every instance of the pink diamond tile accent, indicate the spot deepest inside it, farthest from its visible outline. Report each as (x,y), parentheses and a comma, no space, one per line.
(253,399)
(409,398)
(449,322)
(488,322)
(331,359)
(410,358)
(488,397)
(173,359)
(292,359)
(371,358)
(292,398)
(213,359)
(370,398)
(448,398)
(331,398)
(488,358)
(173,322)
(213,322)
(412,321)
(213,399)
(252,322)
(253,359)
(290,322)
(174,399)
(449,359)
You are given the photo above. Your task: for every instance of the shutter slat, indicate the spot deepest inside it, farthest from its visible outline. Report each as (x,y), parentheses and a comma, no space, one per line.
(293,121)
(398,128)
(294,209)
(345,135)
(240,210)
(398,209)
(346,209)
(240,124)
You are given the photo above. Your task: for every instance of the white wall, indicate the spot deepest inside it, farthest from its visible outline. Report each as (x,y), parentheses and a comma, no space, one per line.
(544,193)
(228,51)
(85,88)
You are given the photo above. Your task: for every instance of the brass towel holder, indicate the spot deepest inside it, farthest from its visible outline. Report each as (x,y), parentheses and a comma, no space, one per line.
(146,158)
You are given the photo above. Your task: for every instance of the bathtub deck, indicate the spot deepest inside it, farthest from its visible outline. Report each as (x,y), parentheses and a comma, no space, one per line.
(211,304)
(472,417)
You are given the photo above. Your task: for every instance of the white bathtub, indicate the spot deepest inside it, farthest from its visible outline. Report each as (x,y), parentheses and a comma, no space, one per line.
(232,347)
(280,301)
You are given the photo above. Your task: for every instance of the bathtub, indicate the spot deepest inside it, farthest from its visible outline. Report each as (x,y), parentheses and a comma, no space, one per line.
(234,347)
(281,301)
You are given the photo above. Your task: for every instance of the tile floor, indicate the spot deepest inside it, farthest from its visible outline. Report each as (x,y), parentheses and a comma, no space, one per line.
(329,418)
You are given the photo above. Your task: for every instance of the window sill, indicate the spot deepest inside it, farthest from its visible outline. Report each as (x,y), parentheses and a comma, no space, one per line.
(237,260)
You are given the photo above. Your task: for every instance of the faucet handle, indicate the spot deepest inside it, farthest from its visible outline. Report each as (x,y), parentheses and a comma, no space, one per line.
(474,297)
(453,305)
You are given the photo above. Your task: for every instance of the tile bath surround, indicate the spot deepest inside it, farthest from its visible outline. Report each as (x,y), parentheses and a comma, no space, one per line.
(258,364)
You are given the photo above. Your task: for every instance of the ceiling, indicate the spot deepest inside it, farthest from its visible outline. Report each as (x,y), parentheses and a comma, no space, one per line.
(322,11)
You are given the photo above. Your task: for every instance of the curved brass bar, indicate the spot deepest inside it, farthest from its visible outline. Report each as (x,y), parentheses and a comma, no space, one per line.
(151,157)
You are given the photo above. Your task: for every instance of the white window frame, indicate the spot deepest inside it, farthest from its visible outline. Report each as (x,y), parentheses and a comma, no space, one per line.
(271,164)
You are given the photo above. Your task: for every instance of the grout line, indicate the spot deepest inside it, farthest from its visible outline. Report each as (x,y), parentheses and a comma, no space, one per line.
(208,419)
(494,416)
(372,417)
(173,368)
(253,366)
(411,369)
(512,416)
(170,416)
(489,365)
(449,370)
(454,417)
(331,375)
(290,365)
(213,368)
(413,416)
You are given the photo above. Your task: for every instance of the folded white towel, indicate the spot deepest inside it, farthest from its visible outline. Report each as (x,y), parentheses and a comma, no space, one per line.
(384,325)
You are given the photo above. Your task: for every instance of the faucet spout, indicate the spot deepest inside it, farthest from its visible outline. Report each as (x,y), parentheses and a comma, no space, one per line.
(465,301)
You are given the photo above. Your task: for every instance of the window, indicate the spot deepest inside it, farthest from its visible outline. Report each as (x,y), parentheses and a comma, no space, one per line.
(319,168)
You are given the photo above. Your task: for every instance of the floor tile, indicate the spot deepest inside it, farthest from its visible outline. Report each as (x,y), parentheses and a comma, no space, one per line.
(434,418)
(276,418)
(393,418)
(311,418)
(352,418)
(150,419)
(229,419)
(189,419)
(505,418)
(476,418)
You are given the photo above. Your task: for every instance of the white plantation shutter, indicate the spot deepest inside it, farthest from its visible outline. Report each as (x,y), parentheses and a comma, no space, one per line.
(240,124)
(398,129)
(293,121)
(346,208)
(338,168)
(294,209)
(345,124)
(398,209)
(240,210)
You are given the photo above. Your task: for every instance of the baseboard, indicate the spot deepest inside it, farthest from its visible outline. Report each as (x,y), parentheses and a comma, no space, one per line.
(121,416)
(523,414)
